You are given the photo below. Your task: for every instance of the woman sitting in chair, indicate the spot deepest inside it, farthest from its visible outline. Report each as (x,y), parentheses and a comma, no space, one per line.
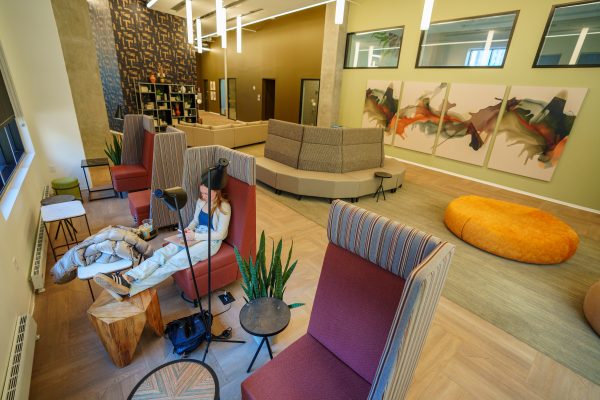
(172,258)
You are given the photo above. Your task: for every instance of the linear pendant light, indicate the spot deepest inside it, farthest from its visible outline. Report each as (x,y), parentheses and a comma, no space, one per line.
(151,3)
(223,23)
(426,18)
(578,45)
(218,10)
(339,11)
(188,17)
(238,21)
(198,35)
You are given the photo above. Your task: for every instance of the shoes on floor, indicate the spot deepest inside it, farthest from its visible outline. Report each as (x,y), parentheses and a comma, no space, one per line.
(113,282)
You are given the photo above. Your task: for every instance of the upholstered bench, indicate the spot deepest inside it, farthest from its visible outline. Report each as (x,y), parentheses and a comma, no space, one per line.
(511,230)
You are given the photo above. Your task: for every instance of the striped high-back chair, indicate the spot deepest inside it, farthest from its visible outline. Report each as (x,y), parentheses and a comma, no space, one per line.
(240,191)
(134,126)
(377,293)
(167,170)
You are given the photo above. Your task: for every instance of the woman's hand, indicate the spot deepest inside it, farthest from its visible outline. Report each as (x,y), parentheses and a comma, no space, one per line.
(189,234)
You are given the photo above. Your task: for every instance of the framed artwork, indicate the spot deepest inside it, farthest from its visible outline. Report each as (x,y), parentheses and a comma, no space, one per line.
(534,130)
(213,95)
(381,106)
(212,85)
(470,117)
(419,115)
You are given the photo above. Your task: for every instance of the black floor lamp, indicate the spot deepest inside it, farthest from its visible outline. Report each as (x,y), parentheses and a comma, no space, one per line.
(215,178)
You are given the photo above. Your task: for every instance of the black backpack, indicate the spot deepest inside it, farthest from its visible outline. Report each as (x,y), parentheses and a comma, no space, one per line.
(186,334)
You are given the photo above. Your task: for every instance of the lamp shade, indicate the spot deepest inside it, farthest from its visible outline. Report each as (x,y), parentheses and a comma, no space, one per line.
(218,175)
(173,197)
(119,113)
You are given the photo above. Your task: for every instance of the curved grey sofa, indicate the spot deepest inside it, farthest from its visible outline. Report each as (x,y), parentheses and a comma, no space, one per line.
(326,162)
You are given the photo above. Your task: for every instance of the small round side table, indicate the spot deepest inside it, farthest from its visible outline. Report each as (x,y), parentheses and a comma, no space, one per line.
(184,378)
(264,317)
(381,175)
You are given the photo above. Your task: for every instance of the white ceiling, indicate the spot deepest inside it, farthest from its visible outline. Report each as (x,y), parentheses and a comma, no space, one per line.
(251,10)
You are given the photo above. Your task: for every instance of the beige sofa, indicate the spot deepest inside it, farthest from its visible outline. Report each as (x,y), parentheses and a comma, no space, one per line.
(326,162)
(230,135)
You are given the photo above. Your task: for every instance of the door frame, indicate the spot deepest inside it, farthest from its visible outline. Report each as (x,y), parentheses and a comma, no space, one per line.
(262,114)
(302,92)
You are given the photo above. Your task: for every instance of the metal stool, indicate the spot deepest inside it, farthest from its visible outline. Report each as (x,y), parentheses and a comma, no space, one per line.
(381,175)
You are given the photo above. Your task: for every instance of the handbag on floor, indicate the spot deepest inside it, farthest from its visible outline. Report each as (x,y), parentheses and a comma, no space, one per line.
(186,334)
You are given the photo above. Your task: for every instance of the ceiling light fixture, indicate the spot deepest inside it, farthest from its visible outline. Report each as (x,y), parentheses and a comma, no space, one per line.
(487,47)
(188,17)
(151,3)
(271,17)
(578,45)
(339,11)
(219,10)
(238,21)
(198,35)
(426,18)
(223,21)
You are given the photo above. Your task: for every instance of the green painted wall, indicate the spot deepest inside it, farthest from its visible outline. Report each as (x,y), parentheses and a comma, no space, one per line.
(576,179)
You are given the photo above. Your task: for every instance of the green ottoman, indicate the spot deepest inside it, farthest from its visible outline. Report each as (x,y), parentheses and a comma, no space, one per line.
(68,185)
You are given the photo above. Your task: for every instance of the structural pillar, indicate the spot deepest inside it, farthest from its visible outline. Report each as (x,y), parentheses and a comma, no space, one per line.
(332,66)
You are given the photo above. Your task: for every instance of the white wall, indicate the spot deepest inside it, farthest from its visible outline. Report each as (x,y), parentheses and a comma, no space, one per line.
(31,46)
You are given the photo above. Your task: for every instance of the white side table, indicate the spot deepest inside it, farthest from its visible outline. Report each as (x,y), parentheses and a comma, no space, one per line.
(62,212)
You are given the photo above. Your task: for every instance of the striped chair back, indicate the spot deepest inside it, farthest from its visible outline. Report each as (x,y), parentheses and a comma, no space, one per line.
(134,126)
(167,169)
(419,258)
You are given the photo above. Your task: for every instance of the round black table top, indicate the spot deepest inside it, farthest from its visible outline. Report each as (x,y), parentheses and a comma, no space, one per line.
(184,378)
(59,198)
(265,316)
(383,174)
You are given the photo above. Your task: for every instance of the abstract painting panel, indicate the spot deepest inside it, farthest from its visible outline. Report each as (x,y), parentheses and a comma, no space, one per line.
(471,115)
(381,105)
(534,130)
(419,115)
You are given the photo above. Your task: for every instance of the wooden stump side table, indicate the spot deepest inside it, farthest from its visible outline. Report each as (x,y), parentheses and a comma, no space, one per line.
(120,324)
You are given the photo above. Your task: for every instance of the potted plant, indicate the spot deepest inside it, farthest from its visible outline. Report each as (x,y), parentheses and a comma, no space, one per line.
(113,150)
(258,280)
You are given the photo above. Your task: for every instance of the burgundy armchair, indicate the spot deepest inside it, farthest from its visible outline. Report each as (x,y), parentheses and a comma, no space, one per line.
(377,293)
(241,194)
(135,171)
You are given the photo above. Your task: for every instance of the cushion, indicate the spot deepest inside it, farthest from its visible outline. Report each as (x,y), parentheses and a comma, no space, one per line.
(283,150)
(305,370)
(127,171)
(286,129)
(139,205)
(65,183)
(353,309)
(314,134)
(511,230)
(362,135)
(362,148)
(320,157)
(220,127)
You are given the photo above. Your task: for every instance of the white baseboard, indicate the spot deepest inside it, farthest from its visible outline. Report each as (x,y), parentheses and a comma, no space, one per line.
(510,189)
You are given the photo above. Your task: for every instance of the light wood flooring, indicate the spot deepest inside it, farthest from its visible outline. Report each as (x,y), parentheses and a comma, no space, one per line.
(465,357)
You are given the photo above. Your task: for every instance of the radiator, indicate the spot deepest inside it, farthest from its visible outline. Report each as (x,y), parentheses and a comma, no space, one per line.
(38,265)
(20,362)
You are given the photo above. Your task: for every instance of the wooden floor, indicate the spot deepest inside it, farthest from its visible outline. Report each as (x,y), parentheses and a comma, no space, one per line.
(465,357)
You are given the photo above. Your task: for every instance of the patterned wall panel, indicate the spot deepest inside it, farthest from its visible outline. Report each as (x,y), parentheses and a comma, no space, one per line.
(132,41)
(145,40)
(107,59)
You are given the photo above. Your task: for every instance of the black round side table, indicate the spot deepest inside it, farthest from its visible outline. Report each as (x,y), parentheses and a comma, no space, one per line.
(381,175)
(264,317)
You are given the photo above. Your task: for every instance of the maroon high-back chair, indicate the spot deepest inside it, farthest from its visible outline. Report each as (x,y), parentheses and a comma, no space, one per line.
(241,194)
(135,171)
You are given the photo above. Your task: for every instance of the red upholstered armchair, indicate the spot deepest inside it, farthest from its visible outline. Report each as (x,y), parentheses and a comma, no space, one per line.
(241,194)
(135,171)
(377,293)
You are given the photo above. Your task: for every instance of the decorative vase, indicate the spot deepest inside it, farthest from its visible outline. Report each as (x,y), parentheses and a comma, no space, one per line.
(161,78)
(177,112)
(152,78)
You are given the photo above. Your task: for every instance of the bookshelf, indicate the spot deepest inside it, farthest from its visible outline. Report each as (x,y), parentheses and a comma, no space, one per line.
(163,101)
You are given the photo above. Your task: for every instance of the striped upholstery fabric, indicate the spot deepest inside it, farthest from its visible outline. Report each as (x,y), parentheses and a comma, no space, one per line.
(166,172)
(198,159)
(133,137)
(395,247)
(422,260)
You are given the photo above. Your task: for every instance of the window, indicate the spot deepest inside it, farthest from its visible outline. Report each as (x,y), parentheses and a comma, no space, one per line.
(374,49)
(572,37)
(11,145)
(467,43)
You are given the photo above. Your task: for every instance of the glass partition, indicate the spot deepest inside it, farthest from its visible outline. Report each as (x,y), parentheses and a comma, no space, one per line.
(466,43)
(309,101)
(374,49)
(572,37)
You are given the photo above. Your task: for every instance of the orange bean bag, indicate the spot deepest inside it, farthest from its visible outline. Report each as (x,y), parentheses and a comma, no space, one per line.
(511,230)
